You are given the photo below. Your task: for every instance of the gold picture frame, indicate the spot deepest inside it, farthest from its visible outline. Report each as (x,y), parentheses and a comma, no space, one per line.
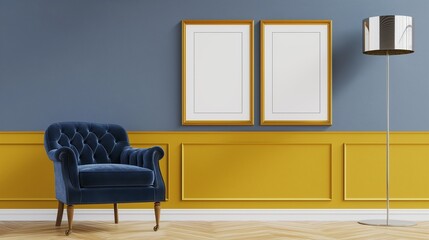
(217,72)
(296,72)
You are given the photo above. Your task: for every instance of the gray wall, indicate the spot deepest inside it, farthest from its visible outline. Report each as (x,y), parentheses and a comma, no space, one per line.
(120,62)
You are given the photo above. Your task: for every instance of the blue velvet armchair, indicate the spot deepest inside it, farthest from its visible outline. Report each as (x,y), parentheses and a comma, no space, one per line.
(95,164)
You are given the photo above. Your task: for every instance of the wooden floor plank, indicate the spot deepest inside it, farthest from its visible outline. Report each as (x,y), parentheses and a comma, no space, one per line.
(212,230)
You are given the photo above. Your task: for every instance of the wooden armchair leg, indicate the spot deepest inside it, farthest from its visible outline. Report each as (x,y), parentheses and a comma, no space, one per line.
(70,210)
(115,210)
(157,207)
(59,214)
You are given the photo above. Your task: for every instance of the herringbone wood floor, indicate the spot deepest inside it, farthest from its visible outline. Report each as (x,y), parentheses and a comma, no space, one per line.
(211,230)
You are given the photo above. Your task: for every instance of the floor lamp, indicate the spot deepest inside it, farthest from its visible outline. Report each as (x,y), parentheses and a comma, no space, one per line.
(387,35)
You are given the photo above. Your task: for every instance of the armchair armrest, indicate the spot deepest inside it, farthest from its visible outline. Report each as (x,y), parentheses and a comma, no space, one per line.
(147,158)
(152,158)
(142,157)
(65,164)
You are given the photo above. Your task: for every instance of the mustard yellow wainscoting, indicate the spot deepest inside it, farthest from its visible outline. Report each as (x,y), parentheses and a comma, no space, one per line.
(409,171)
(300,171)
(247,169)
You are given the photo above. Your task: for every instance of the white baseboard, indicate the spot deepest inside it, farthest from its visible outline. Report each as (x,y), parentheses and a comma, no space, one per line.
(219,214)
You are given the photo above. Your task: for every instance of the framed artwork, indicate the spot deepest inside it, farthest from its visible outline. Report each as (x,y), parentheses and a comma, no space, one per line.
(296,75)
(217,72)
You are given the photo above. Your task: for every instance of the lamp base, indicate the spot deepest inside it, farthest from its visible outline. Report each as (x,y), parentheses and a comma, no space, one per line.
(383,222)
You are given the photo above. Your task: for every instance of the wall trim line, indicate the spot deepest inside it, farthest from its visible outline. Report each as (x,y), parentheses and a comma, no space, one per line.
(218,214)
(278,132)
(246,132)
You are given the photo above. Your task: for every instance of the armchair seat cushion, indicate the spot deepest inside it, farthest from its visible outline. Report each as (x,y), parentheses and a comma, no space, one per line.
(114,175)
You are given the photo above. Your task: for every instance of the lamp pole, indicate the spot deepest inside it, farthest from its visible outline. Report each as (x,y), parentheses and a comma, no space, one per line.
(387,35)
(387,138)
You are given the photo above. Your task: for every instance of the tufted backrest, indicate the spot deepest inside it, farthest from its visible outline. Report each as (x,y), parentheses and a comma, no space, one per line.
(91,142)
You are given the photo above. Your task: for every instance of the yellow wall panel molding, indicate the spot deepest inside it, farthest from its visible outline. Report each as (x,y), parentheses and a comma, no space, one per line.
(22,166)
(256,172)
(365,169)
(15,139)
